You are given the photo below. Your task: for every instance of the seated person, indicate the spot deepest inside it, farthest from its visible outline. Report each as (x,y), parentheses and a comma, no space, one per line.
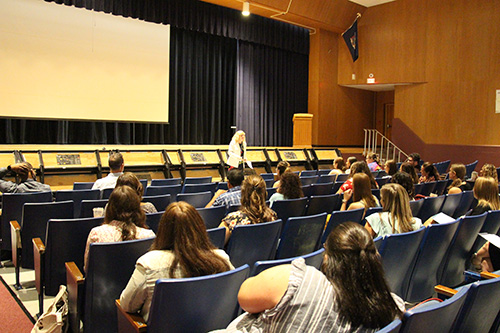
(131,180)
(299,298)
(414,160)
(457,174)
(171,256)
(281,168)
(290,188)
(253,207)
(358,167)
(372,161)
(405,180)
(489,170)
(233,195)
(348,164)
(338,166)
(27,178)
(396,217)
(123,220)
(409,169)
(116,166)
(390,167)
(361,194)
(428,173)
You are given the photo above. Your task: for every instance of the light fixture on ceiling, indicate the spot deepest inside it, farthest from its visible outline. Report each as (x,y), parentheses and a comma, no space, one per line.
(246,9)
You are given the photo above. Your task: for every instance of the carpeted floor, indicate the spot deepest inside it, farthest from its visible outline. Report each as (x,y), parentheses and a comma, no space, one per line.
(13,315)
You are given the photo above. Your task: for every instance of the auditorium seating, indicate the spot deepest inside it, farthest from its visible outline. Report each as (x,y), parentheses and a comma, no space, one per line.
(166,182)
(338,217)
(465,203)
(289,208)
(77,196)
(314,259)
(159,201)
(198,200)
(430,207)
(217,236)
(321,188)
(87,207)
(173,190)
(491,225)
(323,204)
(212,216)
(197,188)
(153,220)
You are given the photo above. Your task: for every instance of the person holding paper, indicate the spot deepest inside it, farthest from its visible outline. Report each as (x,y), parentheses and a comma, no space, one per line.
(237,150)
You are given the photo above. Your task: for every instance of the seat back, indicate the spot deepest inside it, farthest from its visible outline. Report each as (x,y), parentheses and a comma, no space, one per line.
(270,191)
(173,190)
(314,259)
(337,185)
(253,242)
(308,173)
(34,224)
(481,307)
(83,185)
(398,253)
(217,236)
(267,176)
(77,197)
(106,193)
(198,188)
(428,188)
(465,203)
(301,235)
(153,220)
(339,217)
(212,215)
(322,172)
(451,203)
(166,182)
(321,188)
(376,193)
(342,177)
(459,254)
(233,208)
(159,201)
(65,241)
(307,190)
(378,242)
(197,200)
(432,250)
(491,225)
(393,327)
(290,208)
(469,168)
(415,206)
(442,167)
(308,180)
(326,179)
(12,209)
(322,204)
(197,180)
(373,210)
(87,207)
(417,188)
(430,207)
(222,186)
(110,266)
(382,180)
(438,317)
(440,187)
(198,304)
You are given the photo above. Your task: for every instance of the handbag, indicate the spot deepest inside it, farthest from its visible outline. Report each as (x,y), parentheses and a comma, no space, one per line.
(55,319)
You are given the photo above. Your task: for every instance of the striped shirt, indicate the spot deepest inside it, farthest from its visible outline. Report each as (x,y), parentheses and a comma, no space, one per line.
(307,306)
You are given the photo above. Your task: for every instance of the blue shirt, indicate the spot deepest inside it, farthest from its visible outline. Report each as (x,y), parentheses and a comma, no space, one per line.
(231,197)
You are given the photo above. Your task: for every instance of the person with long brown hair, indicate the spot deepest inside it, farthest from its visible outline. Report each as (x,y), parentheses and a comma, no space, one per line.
(181,249)
(281,168)
(361,194)
(358,167)
(457,175)
(396,216)
(391,167)
(123,220)
(350,294)
(253,207)
(409,169)
(131,180)
(290,188)
(428,173)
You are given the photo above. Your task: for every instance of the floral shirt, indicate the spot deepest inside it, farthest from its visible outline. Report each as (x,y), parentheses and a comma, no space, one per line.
(239,218)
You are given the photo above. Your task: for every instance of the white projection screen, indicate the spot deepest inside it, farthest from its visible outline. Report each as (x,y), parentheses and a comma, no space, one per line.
(61,62)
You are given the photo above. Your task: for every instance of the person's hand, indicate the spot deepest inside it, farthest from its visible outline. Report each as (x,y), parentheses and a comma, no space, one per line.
(20,168)
(348,194)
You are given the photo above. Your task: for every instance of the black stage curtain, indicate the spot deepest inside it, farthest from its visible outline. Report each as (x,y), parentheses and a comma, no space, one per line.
(272,86)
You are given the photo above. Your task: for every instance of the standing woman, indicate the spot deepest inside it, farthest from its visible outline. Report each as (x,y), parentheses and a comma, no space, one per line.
(238,148)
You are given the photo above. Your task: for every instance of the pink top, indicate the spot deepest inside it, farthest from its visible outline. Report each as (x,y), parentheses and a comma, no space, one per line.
(111,232)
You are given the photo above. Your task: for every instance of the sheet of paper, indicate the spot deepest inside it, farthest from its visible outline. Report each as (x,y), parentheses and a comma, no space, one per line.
(249,163)
(233,161)
(442,218)
(492,238)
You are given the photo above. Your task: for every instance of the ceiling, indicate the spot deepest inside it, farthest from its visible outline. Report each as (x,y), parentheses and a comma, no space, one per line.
(331,15)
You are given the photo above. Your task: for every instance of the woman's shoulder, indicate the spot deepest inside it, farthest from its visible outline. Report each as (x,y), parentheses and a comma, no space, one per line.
(144,233)
(148,207)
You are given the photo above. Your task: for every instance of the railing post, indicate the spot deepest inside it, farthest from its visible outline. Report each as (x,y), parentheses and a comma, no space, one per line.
(364,145)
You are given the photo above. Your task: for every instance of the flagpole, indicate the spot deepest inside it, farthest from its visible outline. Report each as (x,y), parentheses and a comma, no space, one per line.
(358,15)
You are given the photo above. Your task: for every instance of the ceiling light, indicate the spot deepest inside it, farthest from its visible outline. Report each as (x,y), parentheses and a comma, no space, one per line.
(246,9)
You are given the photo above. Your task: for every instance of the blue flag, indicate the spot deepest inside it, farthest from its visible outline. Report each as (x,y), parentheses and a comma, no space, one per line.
(351,40)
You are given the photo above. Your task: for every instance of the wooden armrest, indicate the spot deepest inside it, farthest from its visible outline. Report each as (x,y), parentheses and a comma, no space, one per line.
(73,273)
(74,282)
(16,230)
(129,322)
(448,292)
(38,245)
(39,261)
(488,275)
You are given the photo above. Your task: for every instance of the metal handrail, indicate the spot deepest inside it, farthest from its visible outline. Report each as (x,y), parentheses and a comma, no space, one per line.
(376,142)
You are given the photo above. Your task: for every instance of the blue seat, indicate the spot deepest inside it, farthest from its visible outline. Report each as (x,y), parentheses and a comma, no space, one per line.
(398,253)
(83,185)
(12,210)
(376,193)
(198,304)
(87,207)
(436,317)
(217,236)
(342,177)
(166,182)
(432,250)
(110,266)
(65,241)
(322,172)
(301,235)
(451,203)
(430,207)
(459,253)
(339,217)
(308,180)
(232,208)
(307,190)
(222,186)
(465,203)
(322,204)
(197,180)
(415,206)
(106,193)
(321,188)
(270,191)
(212,215)
(267,176)
(469,168)
(198,188)
(77,197)
(326,179)
(153,220)
(440,187)
(252,242)
(393,327)
(308,173)
(144,183)
(336,186)
(382,181)
(289,208)
(491,225)
(417,188)
(382,174)
(378,242)
(197,200)
(173,190)
(159,201)
(428,188)
(269,182)
(442,167)
(314,259)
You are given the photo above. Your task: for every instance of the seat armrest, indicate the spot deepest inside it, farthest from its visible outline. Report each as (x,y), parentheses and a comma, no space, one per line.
(74,282)
(488,275)
(39,260)
(129,322)
(15,234)
(445,291)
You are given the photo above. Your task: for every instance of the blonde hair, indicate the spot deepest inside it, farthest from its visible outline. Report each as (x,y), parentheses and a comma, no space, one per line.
(237,136)
(486,192)
(362,190)
(489,170)
(395,200)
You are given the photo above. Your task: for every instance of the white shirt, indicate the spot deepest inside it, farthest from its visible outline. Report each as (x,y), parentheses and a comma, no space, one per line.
(382,224)
(107,182)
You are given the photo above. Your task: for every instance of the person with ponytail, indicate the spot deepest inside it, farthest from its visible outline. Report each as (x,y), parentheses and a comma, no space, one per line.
(253,207)
(123,220)
(457,174)
(349,294)
(281,168)
(181,249)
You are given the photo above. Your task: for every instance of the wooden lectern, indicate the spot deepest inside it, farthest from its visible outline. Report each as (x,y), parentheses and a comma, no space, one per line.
(302,130)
